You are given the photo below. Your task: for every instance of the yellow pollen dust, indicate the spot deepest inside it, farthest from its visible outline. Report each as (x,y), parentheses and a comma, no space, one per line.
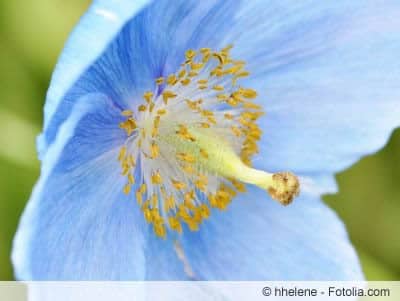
(190,144)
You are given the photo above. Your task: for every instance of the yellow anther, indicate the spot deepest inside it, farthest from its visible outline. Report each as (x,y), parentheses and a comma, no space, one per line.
(128,125)
(190,54)
(148,216)
(167,95)
(228,116)
(154,149)
(213,200)
(182,212)
(186,157)
(122,153)
(127,188)
(201,183)
(185,81)
(205,50)
(131,179)
(212,119)
(227,48)
(188,168)
(154,132)
(161,111)
(139,197)
(193,73)
(206,57)
(188,198)
(156,121)
(125,170)
(183,132)
(218,88)
(142,108)
(202,87)
(156,178)
(207,113)
(169,203)
(204,211)
(222,96)
(143,188)
(251,105)
(175,224)
(204,153)
(127,113)
(241,74)
(202,81)
(148,96)
(248,93)
(232,102)
(219,57)
(193,225)
(217,71)
(182,73)
(193,105)
(239,185)
(151,106)
(160,80)
(196,66)
(178,185)
(160,230)
(172,80)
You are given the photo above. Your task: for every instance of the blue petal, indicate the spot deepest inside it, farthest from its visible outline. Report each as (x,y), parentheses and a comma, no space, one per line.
(90,38)
(123,64)
(78,224)
(258,239)
(328,79)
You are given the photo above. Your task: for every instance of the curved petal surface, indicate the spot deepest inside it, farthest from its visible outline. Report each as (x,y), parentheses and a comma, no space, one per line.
(123,63)
(329,85)
(78,225)
(258,239)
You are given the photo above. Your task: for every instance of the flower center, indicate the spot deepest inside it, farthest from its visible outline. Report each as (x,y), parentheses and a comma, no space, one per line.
(189,144)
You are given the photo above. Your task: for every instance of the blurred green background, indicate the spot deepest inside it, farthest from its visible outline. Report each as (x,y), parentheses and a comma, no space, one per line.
(32,34)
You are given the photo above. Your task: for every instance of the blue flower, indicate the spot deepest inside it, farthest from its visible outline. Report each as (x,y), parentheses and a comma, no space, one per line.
(149,110)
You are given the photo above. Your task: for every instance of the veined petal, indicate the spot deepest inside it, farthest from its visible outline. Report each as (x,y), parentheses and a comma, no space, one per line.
(78,224)
(257,238)
(90,38)
(123,64)
(328,82)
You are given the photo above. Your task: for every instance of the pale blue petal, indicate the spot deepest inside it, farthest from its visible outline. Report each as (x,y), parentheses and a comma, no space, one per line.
(123,64)
(258,239)
(311,61)
(328,99)
(78,225)
(328,77)
(90,38)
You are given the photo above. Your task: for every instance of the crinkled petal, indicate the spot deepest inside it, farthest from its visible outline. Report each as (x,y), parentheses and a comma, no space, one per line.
(78,225)
(258,239)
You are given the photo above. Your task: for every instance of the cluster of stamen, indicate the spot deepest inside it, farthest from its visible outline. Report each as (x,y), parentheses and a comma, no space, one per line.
(178,138)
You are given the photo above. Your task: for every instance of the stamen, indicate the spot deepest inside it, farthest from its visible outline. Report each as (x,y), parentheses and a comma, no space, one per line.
(193,139)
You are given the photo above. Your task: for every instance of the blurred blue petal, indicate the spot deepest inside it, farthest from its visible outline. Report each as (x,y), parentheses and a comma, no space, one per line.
(257,238)
(78,224)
